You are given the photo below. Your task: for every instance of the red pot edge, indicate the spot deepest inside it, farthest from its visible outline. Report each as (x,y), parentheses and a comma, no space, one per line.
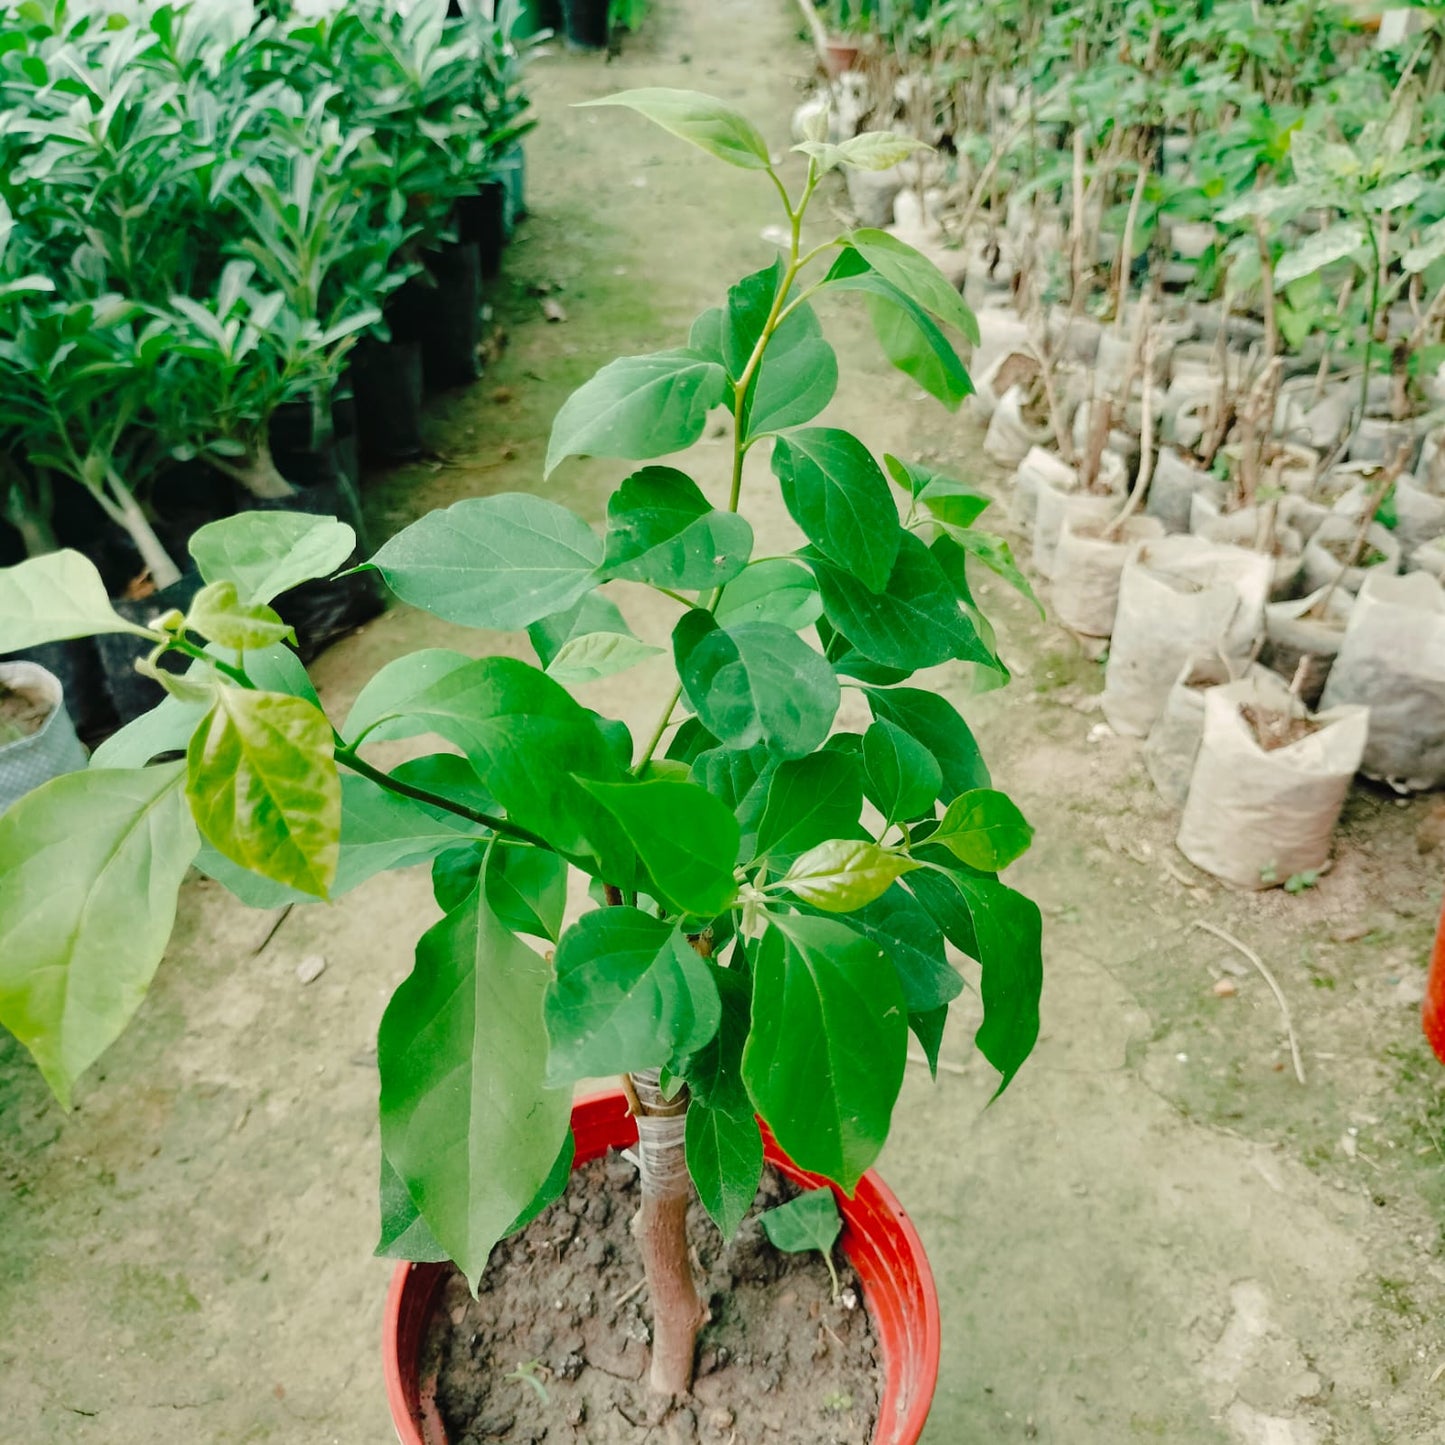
(1432,1010)
(600,1121)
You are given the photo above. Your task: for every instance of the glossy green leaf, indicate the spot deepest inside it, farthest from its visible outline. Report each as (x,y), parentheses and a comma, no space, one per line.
(597,655)
(686,839)
(902,778)
(217,612)
(638,407)
(662,530)
(501,562)
(956,504)
(467,1119)
(837,494)
(1321,249)
(928,1029)
(593,613)
(810,1221)
(910,338)
(700,120)
(52,598)
(740,778)
(526,886)
(934,721)
(404,1234)
(913,943)
(825,1057)
(777,590)
(756,682)
(984,829)
(878,150)
(845,873)
(90,867)
(914,622)
(263,787)
(809,801)
(267,553)
(723,1142)
(629,992)
(997,556)
(916,277)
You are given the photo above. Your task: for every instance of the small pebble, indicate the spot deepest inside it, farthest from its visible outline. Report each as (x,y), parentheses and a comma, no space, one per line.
(311,968)
(1225,988)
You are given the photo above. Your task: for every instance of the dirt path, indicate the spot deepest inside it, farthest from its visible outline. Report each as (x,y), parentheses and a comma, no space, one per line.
(1157,1235)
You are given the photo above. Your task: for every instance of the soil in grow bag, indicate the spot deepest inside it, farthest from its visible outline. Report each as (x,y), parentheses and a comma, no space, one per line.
(23,711)
(560,1333)
(1273,729)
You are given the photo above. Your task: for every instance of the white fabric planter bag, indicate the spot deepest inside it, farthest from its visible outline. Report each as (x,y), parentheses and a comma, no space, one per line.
(1245,528)
(1393,659)
(1253,815)
(49,751)
(1172,488)
(1010,438)
(1055,502)
(1178,597)
(1291,634)
(1322,566)
(1173,741)
(1037,468)
(1087,569)
(1430,558)
(1000,330)
(1420,514)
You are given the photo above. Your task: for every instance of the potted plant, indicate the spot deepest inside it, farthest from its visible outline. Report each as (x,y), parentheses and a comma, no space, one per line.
(769,898)
(37,737)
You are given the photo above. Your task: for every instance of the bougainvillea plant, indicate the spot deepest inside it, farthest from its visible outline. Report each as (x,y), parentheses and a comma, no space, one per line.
(770,898)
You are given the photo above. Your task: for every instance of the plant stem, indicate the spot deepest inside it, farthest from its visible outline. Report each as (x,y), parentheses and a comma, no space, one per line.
(661,1232)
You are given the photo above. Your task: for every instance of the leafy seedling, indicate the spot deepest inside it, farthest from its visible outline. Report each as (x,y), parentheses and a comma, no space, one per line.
(811,1221)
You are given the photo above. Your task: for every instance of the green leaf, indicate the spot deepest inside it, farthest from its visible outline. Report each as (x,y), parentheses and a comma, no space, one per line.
(686,838)
(756,682)
(724,1145)
(837,494)
(928,1030)
(662,530)
(501,562)
(916,277)
(997,556)
(811,1221)
(55,597)
(740,779)
(809,801)
(594,613)
(903,928)
(526,887)
(914,622)
(902,778)
(629,992)
(934,721)
(1317,251)
(527,738)
(404,1234)
(825,1057)
(777,590)
(910,338)
(218,613)
(268,553)
(467,1119)
(845,873)
(984,829)
(597,655)
(263,787)
(877,150)
(955,504)
(90,867)
(700,120)
(638,407)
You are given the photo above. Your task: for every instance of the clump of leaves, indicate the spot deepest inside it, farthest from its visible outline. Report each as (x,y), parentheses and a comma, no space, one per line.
(774,893)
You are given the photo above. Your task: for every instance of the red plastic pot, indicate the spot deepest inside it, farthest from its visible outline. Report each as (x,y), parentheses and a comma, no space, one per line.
(1432,1012)
(842,56)
(878,1238)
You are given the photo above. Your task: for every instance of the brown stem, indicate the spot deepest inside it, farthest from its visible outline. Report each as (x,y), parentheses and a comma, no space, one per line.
(1266,278)
(1357,545)
(661,1231)
(1126,243)
(1146,445)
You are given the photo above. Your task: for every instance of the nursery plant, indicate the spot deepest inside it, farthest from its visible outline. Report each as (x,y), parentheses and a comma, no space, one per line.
(769,895)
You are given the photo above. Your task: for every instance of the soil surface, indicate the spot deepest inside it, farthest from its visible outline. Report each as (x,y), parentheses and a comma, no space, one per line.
(1274,729)
(1157,1234)
(23,711)
(780,1361)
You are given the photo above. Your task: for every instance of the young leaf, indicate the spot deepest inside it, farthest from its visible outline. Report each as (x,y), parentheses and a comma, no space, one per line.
(934,721)
(263,787)
(90,867)
(837,494)
(902,777)
(501,562)
(777,590)
(878,150)
(809,801)
(811,1221)
(55,597)
(218,613)
(662,530)
(267,553)
(686,839)
(723,1142)
(916,277)
(630,992)
(597,655)
(825,1058)
(984,829)
(637,407)
(1320,250)
(756,682)
(467,1119)
(700,120)
(914,622)
(844,874)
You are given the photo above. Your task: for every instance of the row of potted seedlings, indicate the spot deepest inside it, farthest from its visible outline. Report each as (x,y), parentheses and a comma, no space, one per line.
(236,251)
(1211,299)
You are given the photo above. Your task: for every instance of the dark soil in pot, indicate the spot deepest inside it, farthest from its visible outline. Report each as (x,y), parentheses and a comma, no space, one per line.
(386,380)
(555,1347)
(76,665)
(23,711)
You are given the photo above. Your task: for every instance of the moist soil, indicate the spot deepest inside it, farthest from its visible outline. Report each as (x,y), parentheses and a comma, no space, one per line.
(23,711)
(555,1346)
(1274,729)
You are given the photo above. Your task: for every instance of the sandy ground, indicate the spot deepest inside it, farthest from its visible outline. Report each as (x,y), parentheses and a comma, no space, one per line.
(1157,1235)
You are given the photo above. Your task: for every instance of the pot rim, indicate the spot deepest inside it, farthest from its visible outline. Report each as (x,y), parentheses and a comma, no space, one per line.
(878,1238)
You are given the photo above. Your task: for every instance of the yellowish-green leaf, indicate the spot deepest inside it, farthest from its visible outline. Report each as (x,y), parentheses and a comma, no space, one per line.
(845,873)
(700,120)
(54,597)
(984,829)
(218,613)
